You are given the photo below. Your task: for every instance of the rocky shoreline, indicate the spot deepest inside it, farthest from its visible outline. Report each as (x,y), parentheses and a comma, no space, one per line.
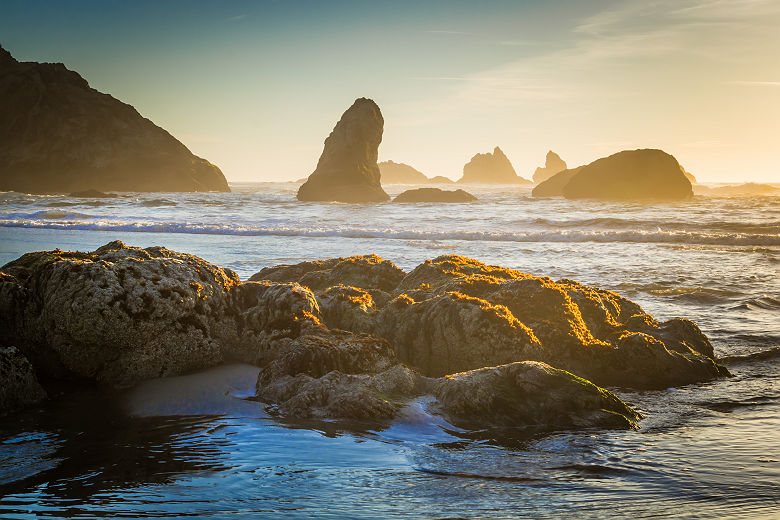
(343,338)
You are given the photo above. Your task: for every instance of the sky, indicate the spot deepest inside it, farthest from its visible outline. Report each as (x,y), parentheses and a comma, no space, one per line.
(256,86)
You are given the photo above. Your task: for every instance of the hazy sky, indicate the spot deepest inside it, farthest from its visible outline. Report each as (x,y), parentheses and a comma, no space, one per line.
(255,87)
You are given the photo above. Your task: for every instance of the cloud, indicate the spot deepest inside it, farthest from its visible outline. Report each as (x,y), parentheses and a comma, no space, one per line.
(755,83)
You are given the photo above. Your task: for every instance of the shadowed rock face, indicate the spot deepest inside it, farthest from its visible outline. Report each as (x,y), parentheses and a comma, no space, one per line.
(122,314)
(630,174)
(491,168)
(347,170)
(434,195)
(18,384)
(553,186)
(59,135)
(552,165)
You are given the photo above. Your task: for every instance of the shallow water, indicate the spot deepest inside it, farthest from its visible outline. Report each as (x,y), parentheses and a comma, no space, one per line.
(194,446)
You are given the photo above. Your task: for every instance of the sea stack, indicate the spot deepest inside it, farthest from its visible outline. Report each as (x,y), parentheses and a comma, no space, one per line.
(347,170)
(491,168)
(630,174)
(552,165)
(57,134)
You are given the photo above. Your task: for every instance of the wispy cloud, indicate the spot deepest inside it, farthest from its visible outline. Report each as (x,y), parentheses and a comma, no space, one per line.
(755,83)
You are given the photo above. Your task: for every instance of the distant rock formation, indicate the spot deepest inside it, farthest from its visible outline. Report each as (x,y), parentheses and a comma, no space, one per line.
(347,170)
(737,190)
(434,195)
(95,194)
(630,174)
(440,179)
(59,135)
(491,168)
(400,173)
(552,165)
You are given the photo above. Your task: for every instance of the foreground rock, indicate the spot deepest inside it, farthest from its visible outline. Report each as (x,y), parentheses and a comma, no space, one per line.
(351,338)
(355,377)
(630,174)
(347,170)
(529,394)
(18,384)
(434,195)
(491,168)
(59,135)
(400,173)
(552,165)
(119,315)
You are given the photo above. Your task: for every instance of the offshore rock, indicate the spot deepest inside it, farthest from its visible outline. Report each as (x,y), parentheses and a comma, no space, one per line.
(491,168)
(631,174)
(434,195)
(93,194)
(59,135)
(18,385)
(400,173)
(347,170)
(553,186)
(552,165)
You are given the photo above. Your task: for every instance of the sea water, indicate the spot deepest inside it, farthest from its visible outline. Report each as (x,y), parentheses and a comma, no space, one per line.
(194,446)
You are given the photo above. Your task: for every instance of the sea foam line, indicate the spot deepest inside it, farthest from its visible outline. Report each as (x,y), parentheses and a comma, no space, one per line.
(656,236)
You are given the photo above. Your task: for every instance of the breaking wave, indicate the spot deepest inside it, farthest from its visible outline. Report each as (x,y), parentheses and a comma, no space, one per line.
(58,219)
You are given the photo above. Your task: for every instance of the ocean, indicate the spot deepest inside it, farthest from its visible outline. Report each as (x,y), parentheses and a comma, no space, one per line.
(193,446)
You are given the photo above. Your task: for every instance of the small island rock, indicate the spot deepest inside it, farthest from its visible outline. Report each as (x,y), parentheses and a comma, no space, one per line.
(630,174)
(435,195)
(347,170)
(491,168)
(400,173)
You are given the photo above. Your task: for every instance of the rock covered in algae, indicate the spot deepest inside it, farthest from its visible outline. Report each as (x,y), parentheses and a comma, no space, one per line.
(123,314)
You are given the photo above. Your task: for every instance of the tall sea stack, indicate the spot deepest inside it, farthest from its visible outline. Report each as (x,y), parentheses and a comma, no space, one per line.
(347,170)
(57,134)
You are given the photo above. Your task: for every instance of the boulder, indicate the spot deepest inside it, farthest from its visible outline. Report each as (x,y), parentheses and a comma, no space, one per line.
(434,195)
(18,385)
(529,395)
(690,177)
(552,165)
(400,173)
(120,314)
(364,271)
(59,135)
(355,377)
(93,194)
(347,170)
(491,168)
